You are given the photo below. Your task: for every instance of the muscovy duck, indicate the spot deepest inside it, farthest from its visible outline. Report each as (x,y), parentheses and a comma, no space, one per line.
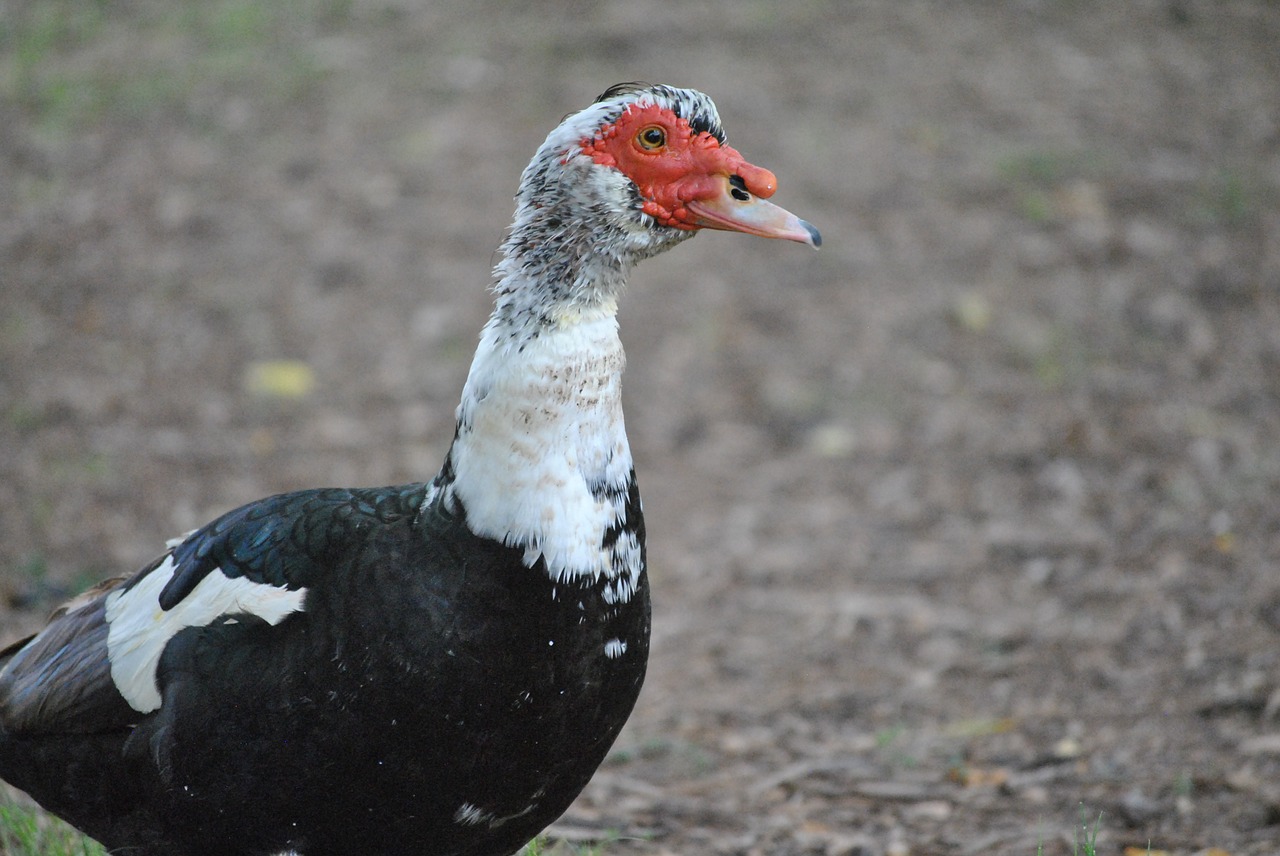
(432,668)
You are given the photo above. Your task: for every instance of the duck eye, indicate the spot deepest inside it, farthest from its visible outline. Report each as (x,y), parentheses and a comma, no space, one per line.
(652,138)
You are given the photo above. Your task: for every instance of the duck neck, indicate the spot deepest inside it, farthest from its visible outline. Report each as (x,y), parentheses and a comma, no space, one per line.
(556,266)
(540,459)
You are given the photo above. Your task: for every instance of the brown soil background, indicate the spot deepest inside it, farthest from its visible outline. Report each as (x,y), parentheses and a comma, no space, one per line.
(961,528)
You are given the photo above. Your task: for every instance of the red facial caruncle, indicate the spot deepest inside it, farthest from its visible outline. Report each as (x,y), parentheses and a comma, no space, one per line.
(689,180)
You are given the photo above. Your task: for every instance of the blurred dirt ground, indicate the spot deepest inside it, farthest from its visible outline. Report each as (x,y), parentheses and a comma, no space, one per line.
(963,529)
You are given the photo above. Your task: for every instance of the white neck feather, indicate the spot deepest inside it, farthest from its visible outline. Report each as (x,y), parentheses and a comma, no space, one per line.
(541,459)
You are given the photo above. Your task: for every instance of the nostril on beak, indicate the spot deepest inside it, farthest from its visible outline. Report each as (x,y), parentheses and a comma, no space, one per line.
(739,191)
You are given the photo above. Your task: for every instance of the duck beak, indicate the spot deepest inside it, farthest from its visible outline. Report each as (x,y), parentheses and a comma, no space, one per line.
(733,208)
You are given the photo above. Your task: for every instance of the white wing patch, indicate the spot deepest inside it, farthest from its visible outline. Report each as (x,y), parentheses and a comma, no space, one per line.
(138,629)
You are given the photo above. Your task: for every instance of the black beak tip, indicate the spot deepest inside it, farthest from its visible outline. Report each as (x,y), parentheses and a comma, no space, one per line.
(815,237)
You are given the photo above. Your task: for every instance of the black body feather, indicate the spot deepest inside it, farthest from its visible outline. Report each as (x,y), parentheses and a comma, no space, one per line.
(430,670)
